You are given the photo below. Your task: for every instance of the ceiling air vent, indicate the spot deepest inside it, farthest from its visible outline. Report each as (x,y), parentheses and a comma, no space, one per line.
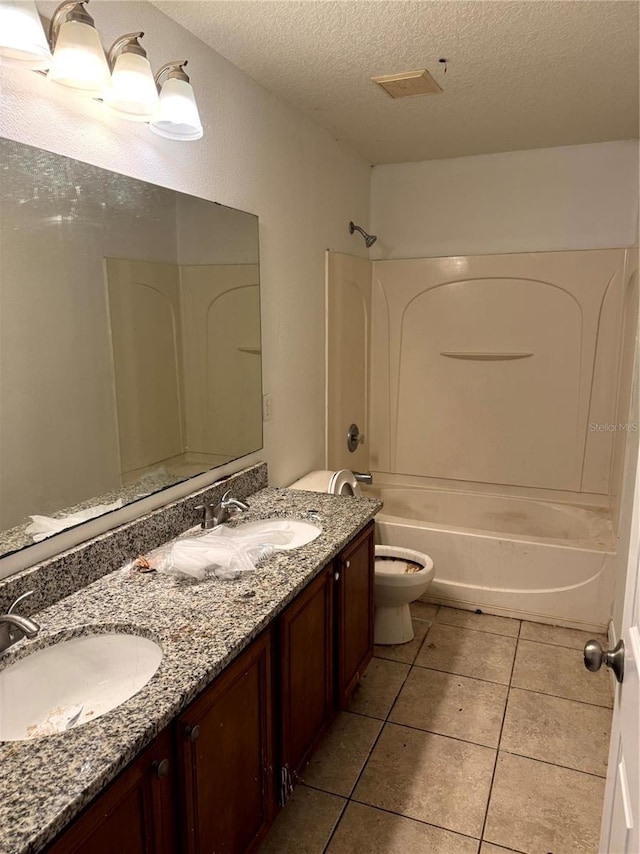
(408,84)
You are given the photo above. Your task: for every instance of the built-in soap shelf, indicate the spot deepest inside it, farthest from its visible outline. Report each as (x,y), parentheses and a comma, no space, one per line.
(484,357)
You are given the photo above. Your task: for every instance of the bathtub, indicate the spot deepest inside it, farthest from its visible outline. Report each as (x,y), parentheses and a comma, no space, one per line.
(520,557)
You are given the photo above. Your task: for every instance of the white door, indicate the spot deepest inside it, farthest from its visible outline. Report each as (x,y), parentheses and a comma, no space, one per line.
(621,814)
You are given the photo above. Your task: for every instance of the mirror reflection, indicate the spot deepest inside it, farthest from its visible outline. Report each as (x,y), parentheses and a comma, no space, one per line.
(130,354)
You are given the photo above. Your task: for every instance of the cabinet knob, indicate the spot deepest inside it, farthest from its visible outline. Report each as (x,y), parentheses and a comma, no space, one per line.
(161,768)
(193,732)
(347,564)
(336,576)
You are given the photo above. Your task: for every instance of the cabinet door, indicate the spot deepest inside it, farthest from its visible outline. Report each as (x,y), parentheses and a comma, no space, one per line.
(134,815)
(355,603)
(225,750)
(306,676)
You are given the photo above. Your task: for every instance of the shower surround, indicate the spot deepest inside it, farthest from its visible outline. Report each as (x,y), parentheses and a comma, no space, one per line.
(493,408)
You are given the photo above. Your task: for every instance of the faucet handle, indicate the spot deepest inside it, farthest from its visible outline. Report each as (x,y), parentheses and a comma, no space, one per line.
(208,511)
(230,503)
(20,598)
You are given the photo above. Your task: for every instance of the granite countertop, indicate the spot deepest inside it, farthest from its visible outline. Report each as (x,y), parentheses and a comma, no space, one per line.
(201,626)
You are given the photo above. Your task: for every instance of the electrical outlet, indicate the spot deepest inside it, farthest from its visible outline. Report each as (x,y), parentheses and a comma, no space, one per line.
(266,407)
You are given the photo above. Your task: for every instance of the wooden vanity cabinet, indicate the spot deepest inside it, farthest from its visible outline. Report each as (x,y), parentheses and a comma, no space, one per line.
(135,814)
(224,743)
(306,671)
(211,782)
(354,584)
(325,643)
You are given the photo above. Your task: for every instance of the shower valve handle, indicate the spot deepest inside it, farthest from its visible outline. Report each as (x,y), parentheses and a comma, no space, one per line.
(354,437)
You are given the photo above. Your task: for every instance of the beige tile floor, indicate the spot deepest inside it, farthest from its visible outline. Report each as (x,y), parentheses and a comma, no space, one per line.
(483,735)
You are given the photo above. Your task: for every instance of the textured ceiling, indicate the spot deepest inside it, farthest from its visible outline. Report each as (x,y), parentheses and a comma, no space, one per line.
(527,74)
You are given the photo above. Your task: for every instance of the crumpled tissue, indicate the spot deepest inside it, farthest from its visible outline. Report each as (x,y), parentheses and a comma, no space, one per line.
(44,526)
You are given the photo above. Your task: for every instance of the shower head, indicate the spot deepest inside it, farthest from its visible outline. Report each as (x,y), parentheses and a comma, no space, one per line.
(369,239)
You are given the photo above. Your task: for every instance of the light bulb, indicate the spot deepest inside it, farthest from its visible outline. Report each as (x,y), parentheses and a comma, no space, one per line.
(132,94)
(78,59)
(177,116)
(22,39)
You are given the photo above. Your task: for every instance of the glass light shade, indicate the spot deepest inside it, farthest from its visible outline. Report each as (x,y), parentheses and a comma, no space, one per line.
(177,116)
(132,94)
(79,60)
(22,39)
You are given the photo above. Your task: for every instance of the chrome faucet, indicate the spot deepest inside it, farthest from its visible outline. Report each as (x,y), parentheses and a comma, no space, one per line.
(217,514)
(13,627)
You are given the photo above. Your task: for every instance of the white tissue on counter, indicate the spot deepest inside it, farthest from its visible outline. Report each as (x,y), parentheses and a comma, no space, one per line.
(44,526)
(225,552)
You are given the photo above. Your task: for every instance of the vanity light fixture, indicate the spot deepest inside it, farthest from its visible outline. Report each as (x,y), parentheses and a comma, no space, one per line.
(22,37)
(73,56)
(78,56)
(132,94)
(177,116)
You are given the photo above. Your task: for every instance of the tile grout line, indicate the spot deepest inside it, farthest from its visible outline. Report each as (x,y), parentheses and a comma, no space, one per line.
(553,764)
(373,746)
(518,636)
(478,631)
(559,697)
(419,821)
(464,675)
(444,734)
(504,716)
(559,645)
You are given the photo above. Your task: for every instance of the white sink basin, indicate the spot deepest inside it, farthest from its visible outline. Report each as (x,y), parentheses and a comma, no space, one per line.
(73,682)
(302,531)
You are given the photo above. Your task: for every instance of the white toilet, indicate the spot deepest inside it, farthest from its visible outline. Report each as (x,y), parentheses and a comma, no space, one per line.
(401,575)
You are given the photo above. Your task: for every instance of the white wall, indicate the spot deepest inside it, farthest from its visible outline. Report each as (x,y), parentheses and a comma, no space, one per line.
(575,197)
(258,155)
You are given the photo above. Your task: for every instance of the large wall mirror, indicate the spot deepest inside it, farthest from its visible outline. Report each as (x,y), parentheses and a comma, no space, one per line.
(130,355)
